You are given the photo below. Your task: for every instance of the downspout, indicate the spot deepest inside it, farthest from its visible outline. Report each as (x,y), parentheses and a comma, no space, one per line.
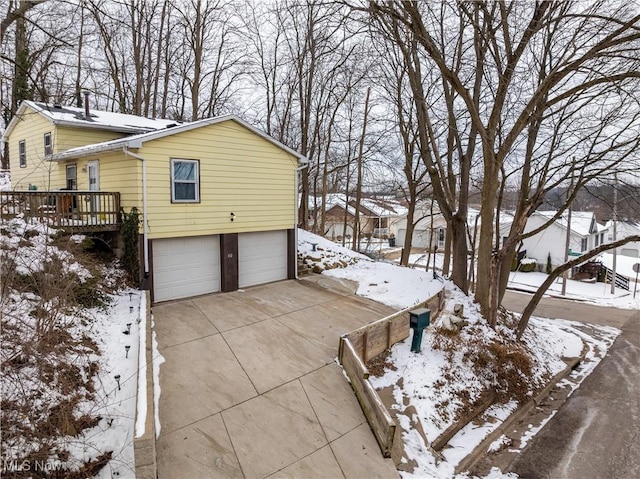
(297,198)
(145,227)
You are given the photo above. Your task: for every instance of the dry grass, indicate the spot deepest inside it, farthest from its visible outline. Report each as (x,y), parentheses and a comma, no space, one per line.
(380,363)
(48,362)
(502,364)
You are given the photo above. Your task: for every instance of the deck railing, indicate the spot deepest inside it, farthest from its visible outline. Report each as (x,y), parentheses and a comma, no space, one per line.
(69,209)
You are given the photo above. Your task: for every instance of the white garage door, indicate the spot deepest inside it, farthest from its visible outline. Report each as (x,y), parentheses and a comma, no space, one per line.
(262,257)
(184,267)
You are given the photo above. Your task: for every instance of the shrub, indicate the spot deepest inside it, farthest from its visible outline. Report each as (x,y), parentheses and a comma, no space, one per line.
(528,264)
(549,268)
(129,230)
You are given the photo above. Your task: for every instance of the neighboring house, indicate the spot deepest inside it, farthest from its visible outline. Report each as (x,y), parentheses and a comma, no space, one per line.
(624,229)
(339,221)
(431,227)
(378,218)
(430,230)
(586,233)
(218,197)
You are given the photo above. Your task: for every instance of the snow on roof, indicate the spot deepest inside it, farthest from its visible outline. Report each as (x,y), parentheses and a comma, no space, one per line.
(380,208)
(624,228)
(136,141)
(580,220)
(104,120)
(383,208)
(506,217)
(331,199)
(336,201)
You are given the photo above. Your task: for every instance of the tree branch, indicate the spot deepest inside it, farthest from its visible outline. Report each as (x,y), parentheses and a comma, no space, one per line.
(535,299)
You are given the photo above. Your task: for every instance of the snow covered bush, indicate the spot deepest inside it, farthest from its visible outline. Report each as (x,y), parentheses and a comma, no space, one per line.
(527,265)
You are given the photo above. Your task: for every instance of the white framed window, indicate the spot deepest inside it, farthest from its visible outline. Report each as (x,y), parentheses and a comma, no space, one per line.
(48,147)
(441,237)
(22,153)
(584,244)
(72,177)
(185,181)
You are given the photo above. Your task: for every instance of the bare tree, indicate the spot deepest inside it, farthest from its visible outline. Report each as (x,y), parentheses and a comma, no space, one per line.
(534,63)
(395,85)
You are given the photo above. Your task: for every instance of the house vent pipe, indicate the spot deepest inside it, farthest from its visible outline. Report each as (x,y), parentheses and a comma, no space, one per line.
(86,105)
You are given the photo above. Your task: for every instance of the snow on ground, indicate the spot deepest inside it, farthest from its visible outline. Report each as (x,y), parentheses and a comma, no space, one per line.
(390,284)
(436,401)
(116,405)
(157,360)
(597,293)
(5,180)
(420,377)
(111,347)
(624,264)
(386,283)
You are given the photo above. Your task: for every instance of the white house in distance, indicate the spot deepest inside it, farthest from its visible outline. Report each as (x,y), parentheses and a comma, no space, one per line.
(436,226)
(428,230)
(586,233)
(378,217)
(624,229)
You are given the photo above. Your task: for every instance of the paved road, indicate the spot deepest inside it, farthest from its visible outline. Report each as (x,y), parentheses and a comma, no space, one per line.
(596,432)
(575,310)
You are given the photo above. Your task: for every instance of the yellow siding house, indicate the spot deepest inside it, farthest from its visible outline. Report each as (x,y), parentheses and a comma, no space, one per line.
(218,197)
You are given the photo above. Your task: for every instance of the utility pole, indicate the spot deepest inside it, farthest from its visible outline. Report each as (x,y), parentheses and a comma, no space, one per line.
(568,237)
(615,220)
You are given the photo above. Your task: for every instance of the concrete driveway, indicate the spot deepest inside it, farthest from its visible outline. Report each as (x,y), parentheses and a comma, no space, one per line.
(250,388)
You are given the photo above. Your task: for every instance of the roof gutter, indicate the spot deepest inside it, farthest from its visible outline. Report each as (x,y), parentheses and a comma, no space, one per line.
(71,155)
(145,226)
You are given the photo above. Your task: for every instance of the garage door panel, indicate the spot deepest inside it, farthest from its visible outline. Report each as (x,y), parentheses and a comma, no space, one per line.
(262,257)
(184,267)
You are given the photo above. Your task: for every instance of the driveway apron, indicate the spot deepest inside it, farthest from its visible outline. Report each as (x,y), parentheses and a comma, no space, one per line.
(250,387)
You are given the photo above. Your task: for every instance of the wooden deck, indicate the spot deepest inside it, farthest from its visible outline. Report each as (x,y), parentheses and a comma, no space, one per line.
(75,211)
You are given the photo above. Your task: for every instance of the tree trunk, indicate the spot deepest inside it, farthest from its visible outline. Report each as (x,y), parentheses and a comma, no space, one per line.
(459,250)
(360,159)
(446,254)
(488,267)
(406,247)
(78,89)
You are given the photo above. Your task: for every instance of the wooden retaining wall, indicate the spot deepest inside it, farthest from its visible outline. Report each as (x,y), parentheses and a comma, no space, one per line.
(361,345)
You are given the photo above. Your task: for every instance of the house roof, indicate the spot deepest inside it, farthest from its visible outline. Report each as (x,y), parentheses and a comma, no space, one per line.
(136,141)
(383,208)
(101,120)
(624,228)
(583,223)
(369,207)
(139,129)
